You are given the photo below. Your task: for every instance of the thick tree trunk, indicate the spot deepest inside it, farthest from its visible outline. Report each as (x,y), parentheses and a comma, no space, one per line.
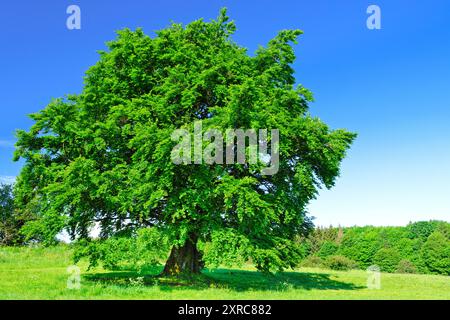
(185,259)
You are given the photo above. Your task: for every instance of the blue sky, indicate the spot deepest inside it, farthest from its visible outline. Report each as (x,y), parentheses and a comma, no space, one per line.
(391,86)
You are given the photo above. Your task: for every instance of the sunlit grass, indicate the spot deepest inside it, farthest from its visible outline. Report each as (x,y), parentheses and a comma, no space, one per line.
(41,273)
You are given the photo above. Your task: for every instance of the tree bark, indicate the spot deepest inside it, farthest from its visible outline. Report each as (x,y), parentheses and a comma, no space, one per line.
(185,259)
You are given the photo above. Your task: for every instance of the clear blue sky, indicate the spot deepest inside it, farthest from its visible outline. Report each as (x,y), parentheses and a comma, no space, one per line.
(392,86)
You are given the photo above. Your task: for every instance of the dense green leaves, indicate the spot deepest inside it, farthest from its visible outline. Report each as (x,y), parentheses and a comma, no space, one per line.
(339,263)
(387,259)
(8,228)
(103,156)
(327,249)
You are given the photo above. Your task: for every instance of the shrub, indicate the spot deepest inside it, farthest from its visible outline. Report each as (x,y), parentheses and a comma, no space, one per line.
(406,266)
(387,259)
(340,263)
(312,262)
(11,220)
(327,249)
(436,253)
(444,228)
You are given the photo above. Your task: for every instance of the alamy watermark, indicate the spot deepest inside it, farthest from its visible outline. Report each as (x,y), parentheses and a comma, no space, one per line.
(373,277)
(374,20)
(74,279)
(229,147)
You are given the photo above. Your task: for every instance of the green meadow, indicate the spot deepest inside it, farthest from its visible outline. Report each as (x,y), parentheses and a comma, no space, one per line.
(41,273)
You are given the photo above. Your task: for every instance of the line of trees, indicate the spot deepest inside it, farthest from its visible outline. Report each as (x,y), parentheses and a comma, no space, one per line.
(420,247)
(104,156)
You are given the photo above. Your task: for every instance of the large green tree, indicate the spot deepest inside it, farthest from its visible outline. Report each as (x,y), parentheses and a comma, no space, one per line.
(105,155)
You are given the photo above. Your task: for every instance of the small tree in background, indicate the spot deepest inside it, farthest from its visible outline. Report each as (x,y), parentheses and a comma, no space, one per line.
(104,156)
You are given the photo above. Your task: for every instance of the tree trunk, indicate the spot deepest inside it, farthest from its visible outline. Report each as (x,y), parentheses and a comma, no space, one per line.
(185,259)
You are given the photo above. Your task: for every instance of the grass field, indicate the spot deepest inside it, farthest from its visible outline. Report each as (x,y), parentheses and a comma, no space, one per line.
(41,273)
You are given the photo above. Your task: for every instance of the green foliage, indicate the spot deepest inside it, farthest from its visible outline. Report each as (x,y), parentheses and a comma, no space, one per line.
(436,253)
(387,259)
(43,229)
(422,229)
(11,219)
(226,249)
(406,266)
(148,248)
(409,249)
(105,155)
(328,249)
(390,236)
(41,273)
(7,224)
(340,263)
(360,244)
(318,236)
(444,229)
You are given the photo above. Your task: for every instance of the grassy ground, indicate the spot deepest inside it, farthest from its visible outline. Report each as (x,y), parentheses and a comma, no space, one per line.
(38,273)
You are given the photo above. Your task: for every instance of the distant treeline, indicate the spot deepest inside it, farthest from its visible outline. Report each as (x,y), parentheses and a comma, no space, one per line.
(420,247)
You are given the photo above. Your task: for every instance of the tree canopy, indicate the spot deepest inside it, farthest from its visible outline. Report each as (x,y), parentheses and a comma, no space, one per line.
(104,156)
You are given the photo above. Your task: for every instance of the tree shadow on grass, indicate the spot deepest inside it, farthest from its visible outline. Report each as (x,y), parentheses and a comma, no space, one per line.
(237,280)
(241,280)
